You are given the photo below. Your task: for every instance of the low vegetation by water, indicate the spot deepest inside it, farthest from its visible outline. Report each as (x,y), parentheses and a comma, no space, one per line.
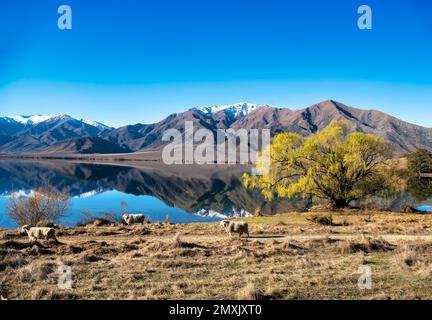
(289,256)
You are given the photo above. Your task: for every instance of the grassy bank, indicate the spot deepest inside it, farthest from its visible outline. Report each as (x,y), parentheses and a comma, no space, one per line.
(289,256)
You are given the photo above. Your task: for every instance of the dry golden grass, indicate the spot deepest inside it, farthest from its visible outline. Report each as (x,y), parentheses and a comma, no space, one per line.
(286,257)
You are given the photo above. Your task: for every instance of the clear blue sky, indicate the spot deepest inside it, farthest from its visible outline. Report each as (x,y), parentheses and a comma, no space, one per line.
(138,61)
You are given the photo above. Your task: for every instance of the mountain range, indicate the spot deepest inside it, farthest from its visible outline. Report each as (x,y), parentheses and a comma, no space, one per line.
(65,134)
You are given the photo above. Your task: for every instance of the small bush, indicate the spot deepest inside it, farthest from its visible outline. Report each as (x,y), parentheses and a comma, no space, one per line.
(40,205)
(90,219)
(321,219)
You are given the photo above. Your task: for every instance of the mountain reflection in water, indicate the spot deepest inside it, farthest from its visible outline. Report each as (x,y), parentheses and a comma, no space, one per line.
(184,193)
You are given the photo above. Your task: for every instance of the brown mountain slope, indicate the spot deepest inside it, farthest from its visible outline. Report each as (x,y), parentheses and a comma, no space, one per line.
(85,145)
(404,136)
(46,137)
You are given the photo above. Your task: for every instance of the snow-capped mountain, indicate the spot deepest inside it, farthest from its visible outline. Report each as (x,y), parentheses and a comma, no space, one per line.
(38,119)
(29,120)
(236,110)
(36,133)
(96,124)
(64,134)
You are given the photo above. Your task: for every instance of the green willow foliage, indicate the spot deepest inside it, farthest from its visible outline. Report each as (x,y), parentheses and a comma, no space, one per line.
(333,164)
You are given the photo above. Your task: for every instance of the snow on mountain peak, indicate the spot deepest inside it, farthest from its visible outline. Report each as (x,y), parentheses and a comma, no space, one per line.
(33,119)
(239,109)
(37,119)
(95,124)
(90,122)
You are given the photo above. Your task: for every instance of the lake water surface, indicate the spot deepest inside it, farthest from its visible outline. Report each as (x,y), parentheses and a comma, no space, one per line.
(183,193)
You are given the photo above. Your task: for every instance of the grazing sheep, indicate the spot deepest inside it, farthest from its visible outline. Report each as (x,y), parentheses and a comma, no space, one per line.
(35,233)
(239,227)
(133,218)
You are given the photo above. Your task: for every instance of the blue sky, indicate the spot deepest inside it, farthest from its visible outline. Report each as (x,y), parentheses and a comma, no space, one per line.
(135,61)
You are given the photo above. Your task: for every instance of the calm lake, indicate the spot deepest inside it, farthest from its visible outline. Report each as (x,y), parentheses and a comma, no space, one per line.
(184,193)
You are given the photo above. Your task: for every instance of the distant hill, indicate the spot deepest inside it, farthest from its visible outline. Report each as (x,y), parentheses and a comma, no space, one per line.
(85,145)
(44,134)
(406,137)
(39,133)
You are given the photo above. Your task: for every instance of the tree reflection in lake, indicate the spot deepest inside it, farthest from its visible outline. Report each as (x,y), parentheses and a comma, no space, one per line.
(184,193)
(153,188)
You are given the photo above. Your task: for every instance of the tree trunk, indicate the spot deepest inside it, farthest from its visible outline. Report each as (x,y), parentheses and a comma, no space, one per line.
(340,203)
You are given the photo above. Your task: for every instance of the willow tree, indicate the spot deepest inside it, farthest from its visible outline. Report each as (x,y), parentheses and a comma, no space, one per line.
(333,164)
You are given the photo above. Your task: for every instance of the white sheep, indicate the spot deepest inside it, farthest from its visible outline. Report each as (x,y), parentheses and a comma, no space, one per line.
(239,227)
(133,218)
(35,233)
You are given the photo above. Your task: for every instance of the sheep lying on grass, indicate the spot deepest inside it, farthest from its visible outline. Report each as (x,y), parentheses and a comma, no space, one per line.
(239,227)
(133,218)
(35,233)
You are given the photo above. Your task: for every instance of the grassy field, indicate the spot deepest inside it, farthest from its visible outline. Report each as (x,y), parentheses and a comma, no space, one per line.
(287,257)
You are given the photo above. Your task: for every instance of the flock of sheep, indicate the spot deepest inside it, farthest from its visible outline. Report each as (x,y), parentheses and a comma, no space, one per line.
(47,233)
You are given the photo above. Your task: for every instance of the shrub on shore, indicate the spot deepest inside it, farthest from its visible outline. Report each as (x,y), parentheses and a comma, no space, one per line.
(90,219)
(321,219)
(41,205)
